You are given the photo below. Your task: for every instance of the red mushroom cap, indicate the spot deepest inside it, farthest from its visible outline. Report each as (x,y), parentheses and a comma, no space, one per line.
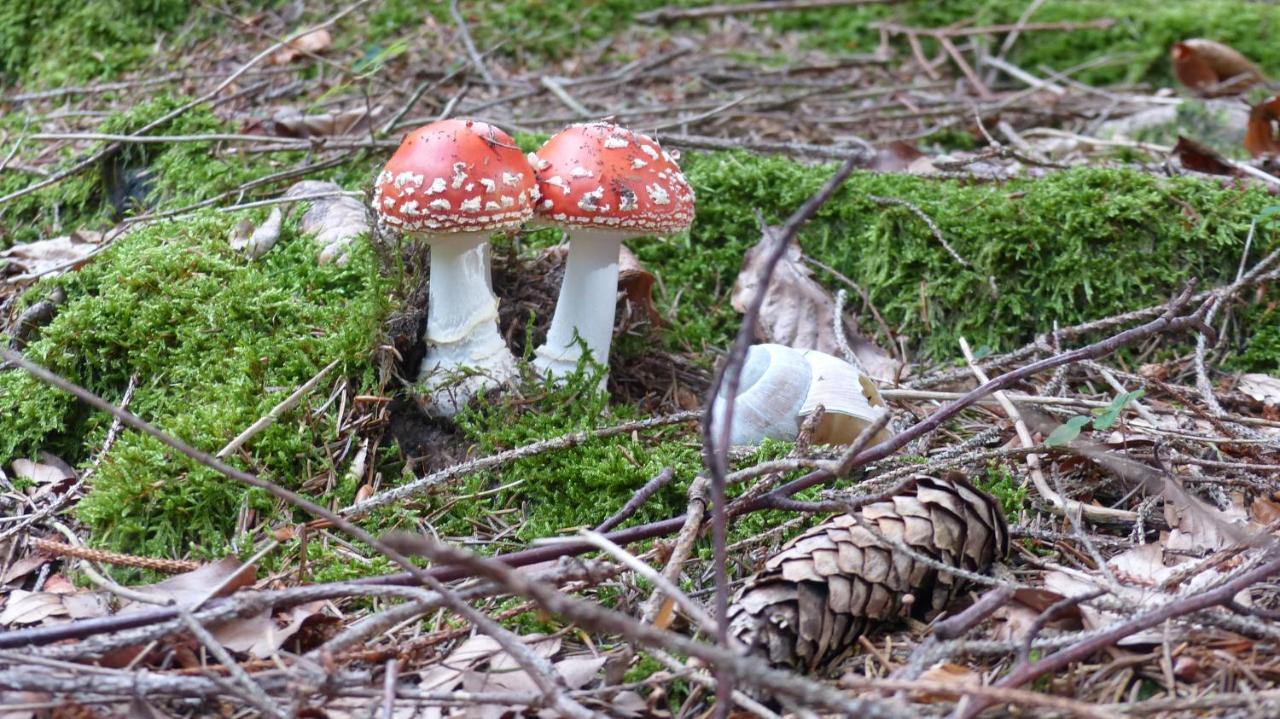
(601,175)
(456,176)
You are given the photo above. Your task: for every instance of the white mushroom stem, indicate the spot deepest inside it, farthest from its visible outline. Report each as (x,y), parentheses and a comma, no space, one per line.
(588,298)
(462,328)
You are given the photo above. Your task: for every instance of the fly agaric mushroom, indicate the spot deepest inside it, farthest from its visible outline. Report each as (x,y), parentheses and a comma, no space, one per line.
(453,183)
(603,184)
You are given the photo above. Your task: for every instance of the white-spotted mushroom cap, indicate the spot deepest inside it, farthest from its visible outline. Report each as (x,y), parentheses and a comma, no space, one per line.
(456,176)
(608,177)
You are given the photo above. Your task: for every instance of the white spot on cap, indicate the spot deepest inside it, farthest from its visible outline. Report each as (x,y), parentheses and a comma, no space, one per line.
(658,194)
(648,150)
(537,162)
(459,174)
(437,186)
(410,208)
(558,181)
(489,185)
(512,179)
(440,205)
(579,172)
(491,206)
(614,142)
(547,203)
(384,177)
(471,205)
(627,199)
(637,163)
(534,194)
(470,186)
(590,201)
(406,177)
(388,201)
(507,201)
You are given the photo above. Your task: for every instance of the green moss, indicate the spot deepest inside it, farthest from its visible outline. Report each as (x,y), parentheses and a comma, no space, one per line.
(57,42)
(167,175)
(1001,483)
(566,488)
(1134,49)
(214,342)
(1068,247)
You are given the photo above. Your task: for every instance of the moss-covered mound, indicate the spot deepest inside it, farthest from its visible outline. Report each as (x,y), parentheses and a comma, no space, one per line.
(1068,247)
(215,340)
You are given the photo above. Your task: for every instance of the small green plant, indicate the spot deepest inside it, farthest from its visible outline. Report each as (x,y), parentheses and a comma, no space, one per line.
(1001,483)
(1068,431)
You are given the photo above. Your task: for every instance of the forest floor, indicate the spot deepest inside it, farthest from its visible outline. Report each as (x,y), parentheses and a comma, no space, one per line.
(1017,191)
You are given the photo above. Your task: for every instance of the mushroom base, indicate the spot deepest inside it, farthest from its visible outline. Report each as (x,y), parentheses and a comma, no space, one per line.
(465,354)
(586,305)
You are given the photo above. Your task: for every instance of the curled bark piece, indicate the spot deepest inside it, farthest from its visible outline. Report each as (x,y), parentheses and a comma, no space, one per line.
(807,608)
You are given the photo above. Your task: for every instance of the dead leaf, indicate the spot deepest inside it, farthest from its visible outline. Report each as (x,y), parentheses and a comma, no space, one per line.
(188,588)
(313,42)
(1199,158)
(26,607)
(1262,387)
(291,122)
(1206,66)
(336,219)
(24,566)
(636,283)
(1014,620)
(897,156)
(25,262)
(1201,528)
(948,674)
(799,312)
(1264,511)
(255,243)
(1260,133)
(262,636)
(578,671)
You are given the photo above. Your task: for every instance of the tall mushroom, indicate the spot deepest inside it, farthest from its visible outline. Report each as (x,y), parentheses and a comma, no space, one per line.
(453,183)
(603,184)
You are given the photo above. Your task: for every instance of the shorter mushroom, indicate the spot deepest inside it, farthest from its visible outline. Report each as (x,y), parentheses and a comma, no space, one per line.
(603,184)
(781,386)
(452,184)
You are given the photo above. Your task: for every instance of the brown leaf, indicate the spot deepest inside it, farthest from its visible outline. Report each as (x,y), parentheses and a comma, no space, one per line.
(291,122)
(1199,158)
(24,566)
(26,607)
(336,220)
(1206,67)
(947,674)
(897,156)
(636,283)
(799,312)
(25,262)
(188,588)
(313,42)
(1260,133)
(1261,387)
(260,635)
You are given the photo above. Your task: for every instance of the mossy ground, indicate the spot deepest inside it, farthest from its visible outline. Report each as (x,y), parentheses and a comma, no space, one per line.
(48,44)
(215,340)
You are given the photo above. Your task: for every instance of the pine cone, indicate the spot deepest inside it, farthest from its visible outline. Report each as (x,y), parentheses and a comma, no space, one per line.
(832,583)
